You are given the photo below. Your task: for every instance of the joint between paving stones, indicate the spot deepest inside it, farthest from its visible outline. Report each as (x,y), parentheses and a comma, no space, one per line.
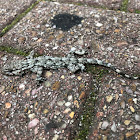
(18,18)
(124,6)
(20,52)
(14,51)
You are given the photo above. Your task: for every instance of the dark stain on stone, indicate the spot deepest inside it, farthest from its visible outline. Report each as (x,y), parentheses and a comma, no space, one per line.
(65,21)
(51,125)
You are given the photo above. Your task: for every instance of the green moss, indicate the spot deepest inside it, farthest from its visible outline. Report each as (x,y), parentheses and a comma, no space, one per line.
(88,109)
(86,118)
(18,18)
(97,71)
(12,50)
(137,11)
(124,5)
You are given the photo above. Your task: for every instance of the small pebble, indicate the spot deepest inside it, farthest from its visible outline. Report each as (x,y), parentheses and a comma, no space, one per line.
(99,24)
(67,104)
(46,45)
(67,110)
(76,103)
(69,97)
(57,112)
(109,48)
(132,109)
(48,74)
(130,128)
(64,126)
(60,103)
(82,95)
(38,26)
(137,117)
(109,98)
(137,127)
(47,25)
(36,131)
(135,100)
(129,134)
(4,137)
(104,137)
(33,123)
(71,114)
(22,86)
(104,125)
(47,84)
(116,96)
(55,137)
(79,78)
(7,105)
(62,77)
(2,88)
(122,104)
(113,127)
(31,116)
(45,111)
(105,107)
(127,122)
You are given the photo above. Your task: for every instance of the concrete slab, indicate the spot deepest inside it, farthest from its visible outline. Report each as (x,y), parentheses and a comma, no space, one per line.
(133,5)
(116,110)
(110,4)
(109,35)
(9,9)
(50,111)
(47,111)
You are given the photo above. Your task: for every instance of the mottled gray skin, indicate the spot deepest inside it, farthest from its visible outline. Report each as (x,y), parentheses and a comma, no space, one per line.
(70,62)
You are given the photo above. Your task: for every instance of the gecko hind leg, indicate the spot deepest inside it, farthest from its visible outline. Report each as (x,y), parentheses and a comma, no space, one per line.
(39,72)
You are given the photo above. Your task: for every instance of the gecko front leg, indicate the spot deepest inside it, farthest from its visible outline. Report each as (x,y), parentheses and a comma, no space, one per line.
(39,71)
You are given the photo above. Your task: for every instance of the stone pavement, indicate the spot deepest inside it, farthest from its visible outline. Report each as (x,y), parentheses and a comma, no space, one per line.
(94,104)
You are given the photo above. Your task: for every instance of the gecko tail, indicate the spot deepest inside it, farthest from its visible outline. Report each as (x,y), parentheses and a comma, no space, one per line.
(109,65)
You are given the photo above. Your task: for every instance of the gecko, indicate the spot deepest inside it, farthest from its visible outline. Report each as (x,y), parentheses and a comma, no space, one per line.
(71,62)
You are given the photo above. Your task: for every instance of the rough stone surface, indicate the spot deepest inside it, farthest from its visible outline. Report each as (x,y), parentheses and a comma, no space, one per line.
(111,4)
(123,121)
(29,111)
(51,110)
(134,5)
(9,9)
(109,35)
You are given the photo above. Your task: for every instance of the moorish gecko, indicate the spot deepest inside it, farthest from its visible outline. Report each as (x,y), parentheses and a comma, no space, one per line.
(70,62)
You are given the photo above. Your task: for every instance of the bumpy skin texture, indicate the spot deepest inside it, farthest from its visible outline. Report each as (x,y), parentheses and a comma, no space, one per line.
(70,62)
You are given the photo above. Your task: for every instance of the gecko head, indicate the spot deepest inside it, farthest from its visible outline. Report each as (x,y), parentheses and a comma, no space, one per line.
(10,67)
(6,69)
(13,68)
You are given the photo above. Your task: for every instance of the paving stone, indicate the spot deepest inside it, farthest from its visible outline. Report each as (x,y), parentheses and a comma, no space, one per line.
(111,4)
(49,111)
(109,35)
(29,111)
(133,5)
(9,9)
(120,120)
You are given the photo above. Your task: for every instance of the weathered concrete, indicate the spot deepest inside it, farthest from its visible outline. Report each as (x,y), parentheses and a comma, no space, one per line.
(110,4)
(116,110)
(109,35)
(9,9)
(53,106)
(134,5)
(51,110)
